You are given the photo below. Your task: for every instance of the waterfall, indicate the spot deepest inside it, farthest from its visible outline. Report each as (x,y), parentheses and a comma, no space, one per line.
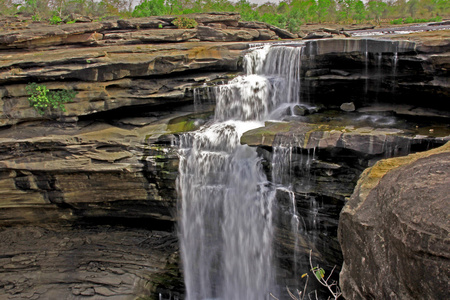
(225,225)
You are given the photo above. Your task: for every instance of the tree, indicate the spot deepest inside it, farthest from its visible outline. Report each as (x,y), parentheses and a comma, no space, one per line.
(376,9)
(413,6)
(8,7)
(247,10)
(151,8)
(359,11)
(346,8)
(323,9)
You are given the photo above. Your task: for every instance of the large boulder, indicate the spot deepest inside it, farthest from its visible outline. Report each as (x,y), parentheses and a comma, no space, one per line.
(394,231)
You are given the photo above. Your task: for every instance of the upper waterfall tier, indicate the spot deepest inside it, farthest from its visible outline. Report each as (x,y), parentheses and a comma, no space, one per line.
(273,78)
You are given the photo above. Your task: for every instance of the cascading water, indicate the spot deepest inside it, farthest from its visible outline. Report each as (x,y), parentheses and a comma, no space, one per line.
(225,225)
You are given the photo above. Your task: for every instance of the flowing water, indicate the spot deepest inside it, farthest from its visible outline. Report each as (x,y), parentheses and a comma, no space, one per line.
(226,226)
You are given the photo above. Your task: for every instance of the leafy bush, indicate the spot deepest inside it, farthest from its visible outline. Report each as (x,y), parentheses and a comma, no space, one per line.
(55,20)
(183,22)
(151,8)
(397,21)
(42,99)
(410,20)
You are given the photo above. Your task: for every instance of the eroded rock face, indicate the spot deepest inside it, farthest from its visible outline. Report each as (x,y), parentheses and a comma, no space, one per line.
(92,169)
(402,70)
(89,209)
(73,262)
(394,230)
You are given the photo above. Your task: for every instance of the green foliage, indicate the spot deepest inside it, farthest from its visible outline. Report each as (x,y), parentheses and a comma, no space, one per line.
(8,7)
(183,22)
(318,272)
(55,20)
(397,21)
(410,20)
(42,99)
(151,8)
(376,9)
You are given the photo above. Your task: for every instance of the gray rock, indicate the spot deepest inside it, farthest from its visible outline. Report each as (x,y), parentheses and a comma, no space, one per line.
(300,110)
(206,33)
(348,106)
(317,35)
(77,18)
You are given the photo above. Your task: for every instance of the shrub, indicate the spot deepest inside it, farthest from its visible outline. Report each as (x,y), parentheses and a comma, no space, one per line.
(42,99)
(55,20)
(397,21)
(183,22)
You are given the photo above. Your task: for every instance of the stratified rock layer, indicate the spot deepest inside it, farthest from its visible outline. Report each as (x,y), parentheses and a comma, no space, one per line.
(100,262)
(394,231)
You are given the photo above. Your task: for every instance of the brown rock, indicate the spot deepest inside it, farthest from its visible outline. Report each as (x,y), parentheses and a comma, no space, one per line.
(394,230)
(317,35)
(253,25)
(266,34)
(137,23)
(77,18)
(206,33)
(284,34)
(164,35)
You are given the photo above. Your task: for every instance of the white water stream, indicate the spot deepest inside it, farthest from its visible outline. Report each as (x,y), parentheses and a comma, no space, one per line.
(226,229)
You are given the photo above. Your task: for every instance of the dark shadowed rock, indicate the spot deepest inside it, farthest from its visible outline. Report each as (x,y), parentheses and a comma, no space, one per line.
(394,230)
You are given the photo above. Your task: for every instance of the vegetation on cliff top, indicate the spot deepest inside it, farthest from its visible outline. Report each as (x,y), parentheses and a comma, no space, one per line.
(289,14)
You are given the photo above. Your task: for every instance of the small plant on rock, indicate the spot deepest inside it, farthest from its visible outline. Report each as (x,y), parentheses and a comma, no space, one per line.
(319,274)
(42,99)
(185,23)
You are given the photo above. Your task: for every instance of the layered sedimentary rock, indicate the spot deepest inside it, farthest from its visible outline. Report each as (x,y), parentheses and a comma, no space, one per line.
(394,230)
(401,70)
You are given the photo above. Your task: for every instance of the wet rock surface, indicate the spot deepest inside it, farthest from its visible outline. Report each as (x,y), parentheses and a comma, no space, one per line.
(321,163)
(394,230)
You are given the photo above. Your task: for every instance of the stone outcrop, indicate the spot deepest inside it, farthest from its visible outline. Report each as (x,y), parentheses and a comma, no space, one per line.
(394,230)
